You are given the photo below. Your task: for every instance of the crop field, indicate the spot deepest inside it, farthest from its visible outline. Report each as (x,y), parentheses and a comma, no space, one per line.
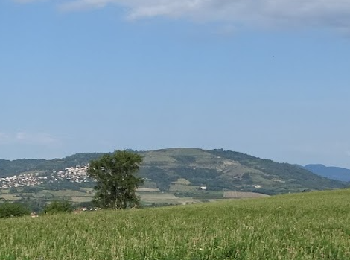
(242,194)
(161,198)
(299,226)
(181,194)
(10,197)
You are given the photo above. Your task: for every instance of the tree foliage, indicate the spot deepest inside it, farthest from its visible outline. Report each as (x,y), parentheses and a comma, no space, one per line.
(116,179)
(56,206)
(8,210)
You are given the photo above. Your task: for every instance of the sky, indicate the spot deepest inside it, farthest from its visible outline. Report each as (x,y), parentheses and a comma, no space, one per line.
(265,77)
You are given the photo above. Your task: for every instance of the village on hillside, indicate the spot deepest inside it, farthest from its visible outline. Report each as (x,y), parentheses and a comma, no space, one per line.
(77,174)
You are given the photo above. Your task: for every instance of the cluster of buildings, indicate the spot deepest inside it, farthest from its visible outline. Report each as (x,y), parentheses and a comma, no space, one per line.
(22,180)
(76,174)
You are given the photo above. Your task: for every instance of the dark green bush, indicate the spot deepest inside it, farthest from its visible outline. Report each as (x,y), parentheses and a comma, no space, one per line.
(58,207)
(8,210)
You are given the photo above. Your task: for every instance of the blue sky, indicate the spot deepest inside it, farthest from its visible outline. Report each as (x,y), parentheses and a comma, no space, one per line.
(268,78)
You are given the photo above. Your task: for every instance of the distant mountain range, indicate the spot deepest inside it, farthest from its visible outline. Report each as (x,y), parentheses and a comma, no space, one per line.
(183,170)
(334,173)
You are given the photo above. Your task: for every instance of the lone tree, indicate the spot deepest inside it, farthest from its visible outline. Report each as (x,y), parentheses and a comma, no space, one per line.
(116,180)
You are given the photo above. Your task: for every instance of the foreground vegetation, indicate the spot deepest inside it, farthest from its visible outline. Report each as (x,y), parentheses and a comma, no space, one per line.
(299,226)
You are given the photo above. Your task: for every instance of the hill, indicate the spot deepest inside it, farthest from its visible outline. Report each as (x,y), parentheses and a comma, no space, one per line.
(187,171)
(219,169)
(334,173)
(307,225)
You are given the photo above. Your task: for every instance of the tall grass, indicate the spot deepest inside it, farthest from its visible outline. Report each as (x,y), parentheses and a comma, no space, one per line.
(302,226)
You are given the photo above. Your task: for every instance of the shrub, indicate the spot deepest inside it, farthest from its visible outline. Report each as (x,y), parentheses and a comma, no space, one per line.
(8,210)
(58,207)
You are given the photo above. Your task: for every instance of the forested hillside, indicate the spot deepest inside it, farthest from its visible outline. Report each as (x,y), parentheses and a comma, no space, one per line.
(334,173)
(187,170)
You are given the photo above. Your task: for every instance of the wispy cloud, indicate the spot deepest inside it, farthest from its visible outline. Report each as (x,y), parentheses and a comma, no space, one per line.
(28,138)
(35,138)
(85,4)
(237,13)
(268,13)
(3,138)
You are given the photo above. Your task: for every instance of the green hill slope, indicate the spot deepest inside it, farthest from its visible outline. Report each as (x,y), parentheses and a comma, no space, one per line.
(300,226)
(184,171)
(219,169)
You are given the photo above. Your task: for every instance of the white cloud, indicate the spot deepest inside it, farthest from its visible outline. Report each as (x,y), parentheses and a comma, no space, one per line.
(267,13)
(28,138)
(84,4)
(237,13)
(35,138)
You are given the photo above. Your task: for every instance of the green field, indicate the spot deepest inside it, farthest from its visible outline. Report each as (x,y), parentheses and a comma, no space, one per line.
(299,226)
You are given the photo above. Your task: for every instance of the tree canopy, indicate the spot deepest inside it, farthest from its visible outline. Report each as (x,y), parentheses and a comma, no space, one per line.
(8,210)
(55,207)
(116,179)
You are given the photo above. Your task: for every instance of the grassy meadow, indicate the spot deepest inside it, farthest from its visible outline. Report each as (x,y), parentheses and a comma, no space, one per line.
(299,226)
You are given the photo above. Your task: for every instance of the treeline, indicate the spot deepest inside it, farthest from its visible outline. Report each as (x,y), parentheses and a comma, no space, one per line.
(19,209)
